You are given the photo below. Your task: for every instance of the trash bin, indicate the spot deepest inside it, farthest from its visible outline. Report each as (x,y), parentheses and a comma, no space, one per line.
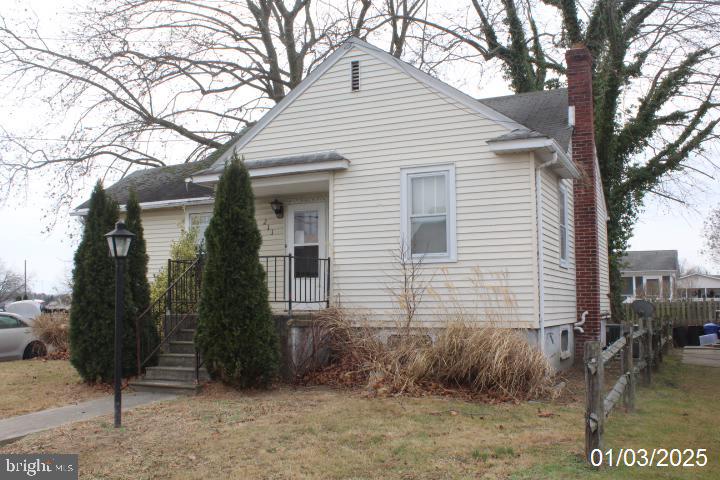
(710,328)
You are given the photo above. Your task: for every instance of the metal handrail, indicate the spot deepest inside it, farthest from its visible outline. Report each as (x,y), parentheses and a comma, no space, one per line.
(290,280)
(162,298)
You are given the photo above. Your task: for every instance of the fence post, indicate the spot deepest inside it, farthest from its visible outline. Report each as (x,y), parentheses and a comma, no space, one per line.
(647,338)
(290,284)
(594,409)
(629,369)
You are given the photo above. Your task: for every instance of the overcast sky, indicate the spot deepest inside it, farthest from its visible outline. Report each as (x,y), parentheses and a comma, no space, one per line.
(662,225)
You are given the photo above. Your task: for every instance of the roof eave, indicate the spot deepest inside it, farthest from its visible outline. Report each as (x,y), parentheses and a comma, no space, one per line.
(179,202)
(543,145)
(209,177)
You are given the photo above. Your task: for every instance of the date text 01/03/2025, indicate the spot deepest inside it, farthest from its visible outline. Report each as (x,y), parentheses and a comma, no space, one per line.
(654,457)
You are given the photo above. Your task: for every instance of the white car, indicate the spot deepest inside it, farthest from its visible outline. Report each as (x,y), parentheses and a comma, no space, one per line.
(17,340)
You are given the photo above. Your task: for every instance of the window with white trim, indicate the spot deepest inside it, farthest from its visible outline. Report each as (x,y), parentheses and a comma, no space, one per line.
(201,221)
(564,224)
(428,212)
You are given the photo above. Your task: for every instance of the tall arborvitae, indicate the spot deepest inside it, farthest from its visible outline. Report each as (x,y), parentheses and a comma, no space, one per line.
(92,316)
(137,265)
(236,334)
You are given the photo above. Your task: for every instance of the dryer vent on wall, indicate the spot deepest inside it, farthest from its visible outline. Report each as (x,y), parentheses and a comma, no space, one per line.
(355,75)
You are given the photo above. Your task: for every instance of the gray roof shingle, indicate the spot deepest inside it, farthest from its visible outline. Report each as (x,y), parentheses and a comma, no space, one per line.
(163,183)
(544,113)
(158,184)
(648,260)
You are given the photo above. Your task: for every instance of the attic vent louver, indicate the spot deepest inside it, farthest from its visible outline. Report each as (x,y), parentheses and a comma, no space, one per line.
(355,75)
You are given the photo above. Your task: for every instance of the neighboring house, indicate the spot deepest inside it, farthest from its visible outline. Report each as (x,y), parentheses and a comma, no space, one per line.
(699,286)
(368,152)
(649,274)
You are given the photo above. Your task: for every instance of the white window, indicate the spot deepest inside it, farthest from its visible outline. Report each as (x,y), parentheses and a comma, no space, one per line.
(564,225)
(428,212)
(201,221)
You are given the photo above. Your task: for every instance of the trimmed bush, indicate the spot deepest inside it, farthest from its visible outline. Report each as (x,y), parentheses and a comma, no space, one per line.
(92,316)
(235,334)
(137,265)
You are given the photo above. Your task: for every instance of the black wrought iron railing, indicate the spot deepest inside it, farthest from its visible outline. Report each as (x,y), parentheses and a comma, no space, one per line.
(290,280)
(157,324)
(295,280)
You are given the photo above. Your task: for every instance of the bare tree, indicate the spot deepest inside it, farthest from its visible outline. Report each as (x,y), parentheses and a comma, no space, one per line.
(139,80)
(711,232)
(11,284)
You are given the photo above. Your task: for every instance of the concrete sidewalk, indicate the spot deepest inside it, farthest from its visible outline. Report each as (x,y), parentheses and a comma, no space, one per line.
(14,428)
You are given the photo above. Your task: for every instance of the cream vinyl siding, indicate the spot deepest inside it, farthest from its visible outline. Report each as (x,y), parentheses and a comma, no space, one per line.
(602,245)
(161,228)
(396,122)
(273,232)
(560,304)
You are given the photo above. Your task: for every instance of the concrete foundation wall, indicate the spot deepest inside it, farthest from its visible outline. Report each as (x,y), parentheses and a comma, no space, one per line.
(301,349)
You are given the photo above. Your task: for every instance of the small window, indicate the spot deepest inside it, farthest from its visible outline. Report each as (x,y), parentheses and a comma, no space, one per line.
(201,221)
(355,75)
(564,224)
(428,212)
(666,287)
(652,287)
(627,286)
(564,341)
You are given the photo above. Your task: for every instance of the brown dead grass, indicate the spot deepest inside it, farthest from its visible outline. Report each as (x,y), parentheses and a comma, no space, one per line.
(319,433)
(471,359)
(53,329)
(32,385)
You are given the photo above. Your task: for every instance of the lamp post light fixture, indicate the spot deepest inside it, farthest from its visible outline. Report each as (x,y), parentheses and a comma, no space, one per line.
(277,207)
(119,241)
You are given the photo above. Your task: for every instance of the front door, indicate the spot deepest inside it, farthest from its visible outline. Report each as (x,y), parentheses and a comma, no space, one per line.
(306,242)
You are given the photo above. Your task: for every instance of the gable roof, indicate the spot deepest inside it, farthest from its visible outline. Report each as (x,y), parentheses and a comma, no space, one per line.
(545,114)
(649,260)
(527,109)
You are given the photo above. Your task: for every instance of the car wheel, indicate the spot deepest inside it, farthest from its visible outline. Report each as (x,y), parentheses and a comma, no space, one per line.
(35,349)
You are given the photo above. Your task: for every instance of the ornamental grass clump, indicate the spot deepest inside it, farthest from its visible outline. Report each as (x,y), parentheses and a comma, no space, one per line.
(53,329)
(464,351)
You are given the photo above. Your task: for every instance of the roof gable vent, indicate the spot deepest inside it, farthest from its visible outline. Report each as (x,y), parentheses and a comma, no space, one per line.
(355,75)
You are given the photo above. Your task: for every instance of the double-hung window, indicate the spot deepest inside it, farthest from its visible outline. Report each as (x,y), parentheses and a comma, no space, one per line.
(428,212)
(564,225)
(201,221)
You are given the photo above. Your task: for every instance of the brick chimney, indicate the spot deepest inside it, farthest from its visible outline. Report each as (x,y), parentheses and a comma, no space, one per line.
(586,194)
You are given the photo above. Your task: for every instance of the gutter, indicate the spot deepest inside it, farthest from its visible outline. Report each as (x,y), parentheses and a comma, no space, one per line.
(180,202)
(543,146)
(541,248)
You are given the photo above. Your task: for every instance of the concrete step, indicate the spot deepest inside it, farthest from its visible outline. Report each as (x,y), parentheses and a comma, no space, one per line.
(181,374)
(189,320)
(184,335)
(165,386)
(181,346)
(176,360)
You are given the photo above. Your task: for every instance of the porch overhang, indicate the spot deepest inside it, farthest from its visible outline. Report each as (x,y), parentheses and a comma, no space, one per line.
(317,162)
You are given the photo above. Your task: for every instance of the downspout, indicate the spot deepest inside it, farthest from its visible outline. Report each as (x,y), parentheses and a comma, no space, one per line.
(541,248)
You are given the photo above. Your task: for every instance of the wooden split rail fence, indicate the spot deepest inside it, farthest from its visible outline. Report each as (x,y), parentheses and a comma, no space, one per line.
(639,351)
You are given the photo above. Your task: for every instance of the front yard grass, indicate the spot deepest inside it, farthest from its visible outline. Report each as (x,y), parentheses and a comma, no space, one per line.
(322,433)
(30,385)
